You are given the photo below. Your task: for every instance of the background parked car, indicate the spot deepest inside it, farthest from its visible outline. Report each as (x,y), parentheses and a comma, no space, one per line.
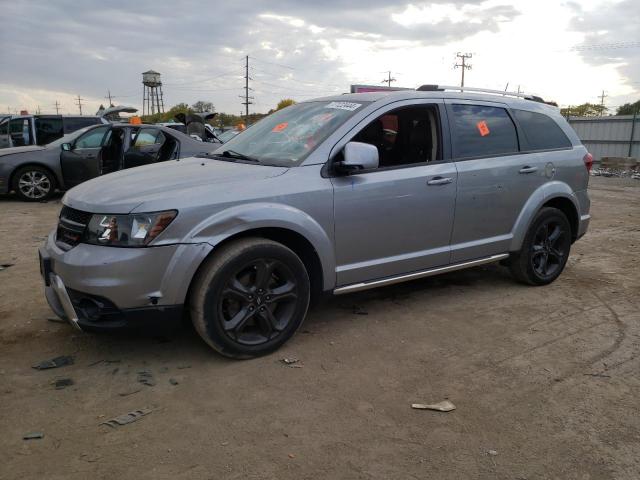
(34,172)
(23,130)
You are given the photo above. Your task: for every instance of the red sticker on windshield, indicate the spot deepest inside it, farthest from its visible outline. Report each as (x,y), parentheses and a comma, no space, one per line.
(280,127)
(483,128)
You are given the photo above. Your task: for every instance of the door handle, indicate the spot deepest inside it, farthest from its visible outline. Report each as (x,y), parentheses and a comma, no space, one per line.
(439,181)
(528,169)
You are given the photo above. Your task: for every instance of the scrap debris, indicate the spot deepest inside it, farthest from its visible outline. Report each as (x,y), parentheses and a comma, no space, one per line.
(63,383)
(126,394)
(145,377)
(127,418)
(4,266)
(33,436)
(173,381)
(444,406)
(290,362)
(54,362)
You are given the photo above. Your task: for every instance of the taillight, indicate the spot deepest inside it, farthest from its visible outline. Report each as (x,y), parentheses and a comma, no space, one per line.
(588,161)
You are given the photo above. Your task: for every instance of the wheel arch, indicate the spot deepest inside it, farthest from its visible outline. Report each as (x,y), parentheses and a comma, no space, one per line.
(59,184)
(291,239)
(554,194)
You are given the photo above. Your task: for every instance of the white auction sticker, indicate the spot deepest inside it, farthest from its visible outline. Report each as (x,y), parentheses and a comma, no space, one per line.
(350,106)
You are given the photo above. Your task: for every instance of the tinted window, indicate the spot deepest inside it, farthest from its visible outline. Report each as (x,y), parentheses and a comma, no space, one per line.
(92,139)
(48,129)
(540,131)
(71,124)
(479,130)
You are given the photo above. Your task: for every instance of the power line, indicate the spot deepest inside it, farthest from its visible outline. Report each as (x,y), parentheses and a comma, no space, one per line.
(273,63)
(464,66)
(388,80)
(605,46)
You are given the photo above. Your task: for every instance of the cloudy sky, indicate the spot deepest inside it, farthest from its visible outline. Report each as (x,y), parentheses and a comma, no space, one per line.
(567,51)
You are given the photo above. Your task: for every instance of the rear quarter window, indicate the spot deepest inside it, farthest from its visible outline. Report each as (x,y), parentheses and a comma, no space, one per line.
(480,130)
(540,131)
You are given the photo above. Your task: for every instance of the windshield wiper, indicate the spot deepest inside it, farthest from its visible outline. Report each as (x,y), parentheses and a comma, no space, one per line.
(239,156)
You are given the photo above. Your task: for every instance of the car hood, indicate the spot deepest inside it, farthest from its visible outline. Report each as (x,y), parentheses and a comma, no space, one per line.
(168,185)
(14,150)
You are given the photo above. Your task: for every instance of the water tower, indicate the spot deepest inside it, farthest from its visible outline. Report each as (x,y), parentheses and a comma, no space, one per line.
(152,93)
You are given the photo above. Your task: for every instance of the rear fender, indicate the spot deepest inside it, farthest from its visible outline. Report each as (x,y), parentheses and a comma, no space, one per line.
(536,201)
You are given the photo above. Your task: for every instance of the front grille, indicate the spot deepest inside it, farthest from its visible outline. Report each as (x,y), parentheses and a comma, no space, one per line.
(71,226)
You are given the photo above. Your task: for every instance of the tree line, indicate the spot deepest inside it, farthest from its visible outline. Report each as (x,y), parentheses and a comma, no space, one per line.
(220,120)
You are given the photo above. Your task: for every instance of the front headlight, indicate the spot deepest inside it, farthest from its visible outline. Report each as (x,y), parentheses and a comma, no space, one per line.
(133,230)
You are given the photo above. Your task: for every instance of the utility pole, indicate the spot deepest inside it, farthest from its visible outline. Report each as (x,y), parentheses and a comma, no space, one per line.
(246,96)
(38,110)
(388,80)
(109,97)
(57,107)
(602,97)
(463,64)
(79,103)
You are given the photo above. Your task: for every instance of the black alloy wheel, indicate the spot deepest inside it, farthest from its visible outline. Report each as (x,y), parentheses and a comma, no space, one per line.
(545,248)
(258,302)
(249,297)
(549,248)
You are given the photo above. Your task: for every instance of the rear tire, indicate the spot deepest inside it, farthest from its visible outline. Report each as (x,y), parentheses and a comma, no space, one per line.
(33,183)
(249,298)
(545,249)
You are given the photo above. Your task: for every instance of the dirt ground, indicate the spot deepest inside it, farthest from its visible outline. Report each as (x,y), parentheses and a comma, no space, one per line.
(546,380)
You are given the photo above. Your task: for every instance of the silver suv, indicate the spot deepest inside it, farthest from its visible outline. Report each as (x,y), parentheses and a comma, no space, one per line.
(334,195)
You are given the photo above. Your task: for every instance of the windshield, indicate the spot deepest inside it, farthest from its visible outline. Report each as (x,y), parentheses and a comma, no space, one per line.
(68,138)
(228,135)
(287,137)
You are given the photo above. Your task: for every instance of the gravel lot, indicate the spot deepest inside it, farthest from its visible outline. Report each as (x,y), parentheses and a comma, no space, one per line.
(545,380)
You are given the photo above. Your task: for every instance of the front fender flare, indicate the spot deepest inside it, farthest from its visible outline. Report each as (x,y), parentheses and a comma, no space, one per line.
(540,196)
(252,216)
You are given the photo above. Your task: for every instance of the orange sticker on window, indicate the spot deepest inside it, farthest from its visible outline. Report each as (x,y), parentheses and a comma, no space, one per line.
(483,128)
(280,127)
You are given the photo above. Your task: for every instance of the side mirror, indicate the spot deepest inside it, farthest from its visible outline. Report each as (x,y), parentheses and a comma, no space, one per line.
(358,156)
(66,147)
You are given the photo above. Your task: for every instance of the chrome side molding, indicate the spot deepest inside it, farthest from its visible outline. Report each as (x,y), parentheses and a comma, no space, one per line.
(356,287)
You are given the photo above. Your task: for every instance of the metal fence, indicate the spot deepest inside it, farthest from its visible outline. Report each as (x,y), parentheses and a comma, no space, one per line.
(614,136)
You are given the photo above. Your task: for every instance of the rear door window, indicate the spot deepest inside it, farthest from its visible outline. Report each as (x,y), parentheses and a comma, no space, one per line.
(48,129)
(71,124)
(540,131)
(480,131)
(147,137)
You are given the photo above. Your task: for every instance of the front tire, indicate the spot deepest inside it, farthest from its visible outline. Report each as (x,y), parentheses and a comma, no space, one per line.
(34,184)
(545,249)
(249,298)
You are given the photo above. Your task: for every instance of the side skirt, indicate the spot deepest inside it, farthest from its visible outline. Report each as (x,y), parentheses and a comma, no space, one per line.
(356,287)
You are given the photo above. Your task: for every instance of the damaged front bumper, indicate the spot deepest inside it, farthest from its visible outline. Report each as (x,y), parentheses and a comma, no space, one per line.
(106,288)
